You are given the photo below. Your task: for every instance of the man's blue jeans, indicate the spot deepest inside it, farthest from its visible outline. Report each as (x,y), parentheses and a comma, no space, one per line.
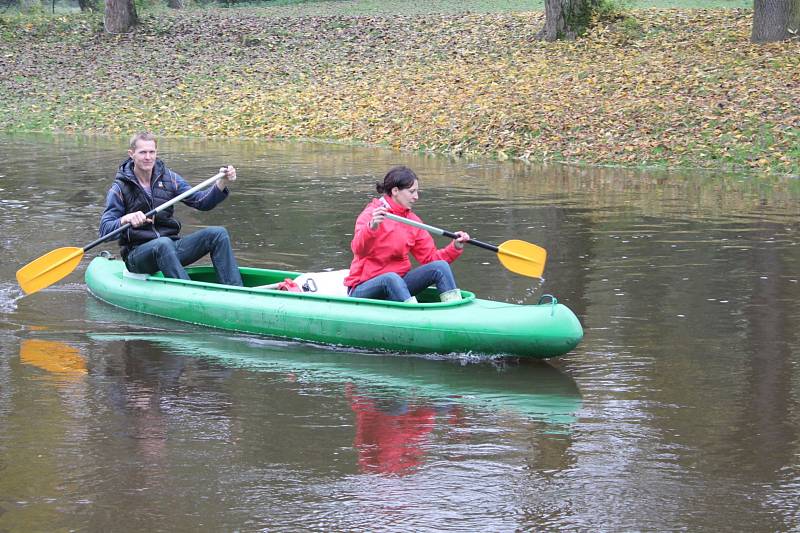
(391,286)
(170,256)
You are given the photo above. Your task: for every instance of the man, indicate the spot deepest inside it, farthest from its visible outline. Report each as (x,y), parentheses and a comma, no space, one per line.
(143,182)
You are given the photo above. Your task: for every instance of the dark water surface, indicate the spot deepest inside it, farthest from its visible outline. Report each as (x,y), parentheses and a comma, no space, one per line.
(679,411)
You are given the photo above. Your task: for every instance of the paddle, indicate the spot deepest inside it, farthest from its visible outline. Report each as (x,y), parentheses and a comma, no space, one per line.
(517,256)
(53,266)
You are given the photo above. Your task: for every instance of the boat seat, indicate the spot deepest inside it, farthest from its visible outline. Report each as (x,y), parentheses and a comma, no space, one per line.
(128,274)
(328,283)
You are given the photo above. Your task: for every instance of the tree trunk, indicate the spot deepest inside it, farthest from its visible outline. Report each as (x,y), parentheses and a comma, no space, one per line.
(775,20)
(566,19)
(794,19)
(30,6)
(87,5)
(120,16)
(175,4)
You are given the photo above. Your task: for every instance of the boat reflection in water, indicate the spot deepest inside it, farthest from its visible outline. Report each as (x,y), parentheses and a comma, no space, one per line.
(531,388)
(390,434)
(397,400)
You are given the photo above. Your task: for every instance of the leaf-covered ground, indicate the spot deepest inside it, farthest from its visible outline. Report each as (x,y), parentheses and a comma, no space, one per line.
(674,88)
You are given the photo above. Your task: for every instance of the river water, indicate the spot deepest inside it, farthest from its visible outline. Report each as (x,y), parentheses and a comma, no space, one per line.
(680,410)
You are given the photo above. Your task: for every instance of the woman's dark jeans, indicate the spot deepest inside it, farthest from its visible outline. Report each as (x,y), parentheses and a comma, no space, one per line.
(391,286)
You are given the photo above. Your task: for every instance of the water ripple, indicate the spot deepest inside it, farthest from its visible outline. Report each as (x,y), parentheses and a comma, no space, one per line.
(10,294)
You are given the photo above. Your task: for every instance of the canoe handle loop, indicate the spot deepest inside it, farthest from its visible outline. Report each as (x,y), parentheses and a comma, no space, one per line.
(310,285)
(553,302)
(105,254)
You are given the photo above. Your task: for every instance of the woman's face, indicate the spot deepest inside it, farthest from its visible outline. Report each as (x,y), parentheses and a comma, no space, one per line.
(406,197)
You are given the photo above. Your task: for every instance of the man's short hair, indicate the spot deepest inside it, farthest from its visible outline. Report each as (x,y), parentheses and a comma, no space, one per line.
(142,136)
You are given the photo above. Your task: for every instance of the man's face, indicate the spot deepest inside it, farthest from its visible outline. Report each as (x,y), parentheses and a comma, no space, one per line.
(144,156)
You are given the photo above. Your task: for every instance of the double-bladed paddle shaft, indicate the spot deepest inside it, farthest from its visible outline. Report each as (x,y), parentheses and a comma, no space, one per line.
(54,265)
(518,256)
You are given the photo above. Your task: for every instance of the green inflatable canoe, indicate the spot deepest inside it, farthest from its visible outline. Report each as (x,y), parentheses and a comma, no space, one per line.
(471,325)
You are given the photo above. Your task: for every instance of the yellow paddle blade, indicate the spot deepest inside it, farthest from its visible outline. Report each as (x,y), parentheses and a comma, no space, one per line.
(48,269)
(522,257)
(53,356)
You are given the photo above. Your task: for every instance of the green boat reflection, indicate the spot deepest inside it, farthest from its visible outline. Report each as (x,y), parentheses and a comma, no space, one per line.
(532,389)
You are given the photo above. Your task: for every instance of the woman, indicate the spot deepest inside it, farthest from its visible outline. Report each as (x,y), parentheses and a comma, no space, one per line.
(381,268)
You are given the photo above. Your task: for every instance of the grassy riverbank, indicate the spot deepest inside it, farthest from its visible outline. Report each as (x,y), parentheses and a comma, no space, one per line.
(671,88)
